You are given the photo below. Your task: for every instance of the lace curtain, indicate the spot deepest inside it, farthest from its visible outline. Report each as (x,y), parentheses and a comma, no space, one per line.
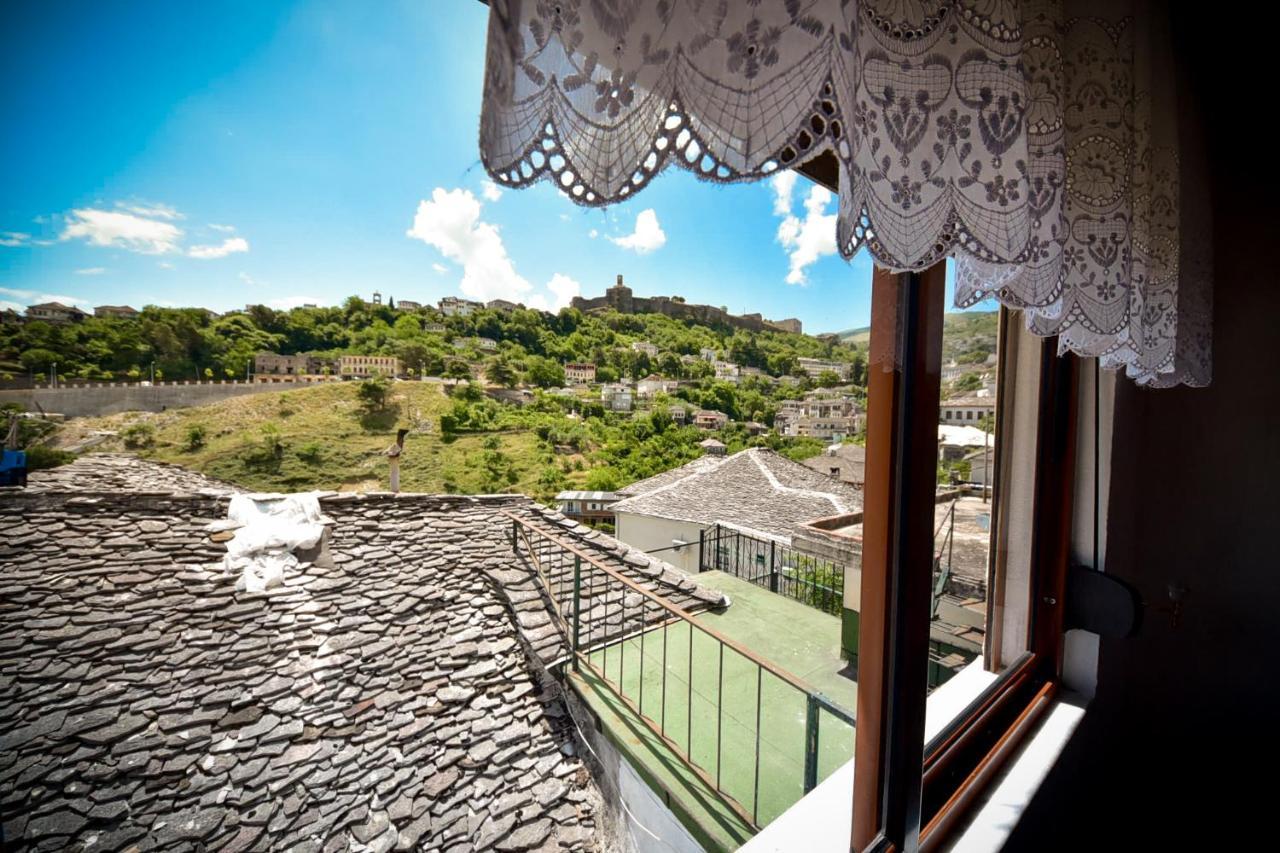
(1035,141)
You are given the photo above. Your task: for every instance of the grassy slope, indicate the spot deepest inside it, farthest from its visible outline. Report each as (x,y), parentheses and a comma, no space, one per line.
(960,331)
(350,457)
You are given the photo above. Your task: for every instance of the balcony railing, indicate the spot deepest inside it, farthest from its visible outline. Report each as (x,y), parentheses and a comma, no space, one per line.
(779,568)
(732,718)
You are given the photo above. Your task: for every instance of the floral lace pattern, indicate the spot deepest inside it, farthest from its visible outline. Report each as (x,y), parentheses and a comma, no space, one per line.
(1033,140)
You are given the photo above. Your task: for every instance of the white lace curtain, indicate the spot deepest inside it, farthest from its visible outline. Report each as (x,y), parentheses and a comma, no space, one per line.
(1035,141)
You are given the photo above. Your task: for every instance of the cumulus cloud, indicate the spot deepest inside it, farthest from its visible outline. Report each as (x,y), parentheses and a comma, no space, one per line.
(124,230)
(593,233)
(490,191)
(225,229)
(165,265)
(229,246)
(35,297)
(809,238)
(450,221)
(91,271)
(13,238)
(149,210)
(647,237)
(783,183)
(562,289)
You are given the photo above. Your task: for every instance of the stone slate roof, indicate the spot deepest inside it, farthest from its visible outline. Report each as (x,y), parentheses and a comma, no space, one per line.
(106,472)
(754,488)
(391,695)
(849,459)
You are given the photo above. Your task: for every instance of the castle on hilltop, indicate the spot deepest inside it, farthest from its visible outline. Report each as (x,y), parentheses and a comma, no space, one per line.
(620,298)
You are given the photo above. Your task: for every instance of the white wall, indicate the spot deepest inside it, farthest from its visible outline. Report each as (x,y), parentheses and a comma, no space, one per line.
(648,533)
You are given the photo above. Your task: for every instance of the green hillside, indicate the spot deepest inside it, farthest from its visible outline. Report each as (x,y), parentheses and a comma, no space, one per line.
(323,437)
(968,337)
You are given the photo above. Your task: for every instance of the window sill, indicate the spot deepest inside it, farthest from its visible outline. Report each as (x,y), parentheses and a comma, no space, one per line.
(820,822)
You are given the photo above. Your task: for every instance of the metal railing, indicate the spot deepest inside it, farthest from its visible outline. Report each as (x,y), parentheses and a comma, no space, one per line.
(779,568)
(943,543)
(728,715)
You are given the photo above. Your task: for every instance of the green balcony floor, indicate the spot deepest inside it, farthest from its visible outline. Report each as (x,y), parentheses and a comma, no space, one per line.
(720,708)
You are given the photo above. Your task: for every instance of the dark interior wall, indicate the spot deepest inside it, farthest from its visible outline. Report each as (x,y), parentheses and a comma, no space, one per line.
(1176,746)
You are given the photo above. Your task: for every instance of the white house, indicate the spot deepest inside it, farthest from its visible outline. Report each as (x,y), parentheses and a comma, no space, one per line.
(966,411)
(755,490)
(645,347)
(654,384)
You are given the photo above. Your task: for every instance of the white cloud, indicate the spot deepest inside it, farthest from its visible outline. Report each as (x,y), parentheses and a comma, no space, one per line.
(91,271)
(647,237)
(165,265)
(490,191)
(450,221)
(150,211)
(13,238)
(225,229)
(563,289)
(782,183)
(247,279)
(808,239)
(35,297)
(123,230)
(440,268)
(287,302)
(229,246)
(593,233)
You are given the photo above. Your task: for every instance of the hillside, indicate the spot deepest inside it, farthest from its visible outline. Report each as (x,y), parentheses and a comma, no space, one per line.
(968,337)
(320,437)
(190,343)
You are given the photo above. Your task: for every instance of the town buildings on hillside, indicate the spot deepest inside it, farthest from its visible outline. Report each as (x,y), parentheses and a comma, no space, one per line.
(966,411)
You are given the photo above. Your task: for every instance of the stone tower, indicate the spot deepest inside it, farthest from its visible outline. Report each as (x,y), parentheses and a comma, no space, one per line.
(619,297)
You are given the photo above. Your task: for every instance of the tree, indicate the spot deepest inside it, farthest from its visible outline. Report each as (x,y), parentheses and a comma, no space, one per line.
(501,372)
(457,369)
(544,372)
(828,379)
(373,393)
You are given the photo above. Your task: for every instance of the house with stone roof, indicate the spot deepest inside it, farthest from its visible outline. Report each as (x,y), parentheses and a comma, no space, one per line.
(402,688)
(756,490)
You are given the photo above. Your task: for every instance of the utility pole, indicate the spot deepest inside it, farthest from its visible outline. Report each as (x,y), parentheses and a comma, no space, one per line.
(53,374)
(153,373)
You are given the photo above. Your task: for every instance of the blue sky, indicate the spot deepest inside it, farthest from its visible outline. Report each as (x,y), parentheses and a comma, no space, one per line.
(239,152)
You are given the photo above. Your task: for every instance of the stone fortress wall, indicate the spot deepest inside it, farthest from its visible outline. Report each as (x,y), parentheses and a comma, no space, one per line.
(621,299)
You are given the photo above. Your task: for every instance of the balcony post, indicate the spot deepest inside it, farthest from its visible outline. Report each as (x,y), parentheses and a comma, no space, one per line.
(577,607)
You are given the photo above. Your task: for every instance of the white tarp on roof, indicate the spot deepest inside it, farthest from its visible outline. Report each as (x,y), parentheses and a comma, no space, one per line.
(269,528)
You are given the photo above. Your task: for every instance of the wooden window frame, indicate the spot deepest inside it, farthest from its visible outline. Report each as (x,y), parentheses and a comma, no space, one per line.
(896,807)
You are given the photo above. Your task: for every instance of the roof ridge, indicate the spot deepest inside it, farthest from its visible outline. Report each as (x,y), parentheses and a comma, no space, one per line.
(779,487)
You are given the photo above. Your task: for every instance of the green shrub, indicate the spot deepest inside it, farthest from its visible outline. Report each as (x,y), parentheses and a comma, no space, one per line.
(39,457)
(312,453)
(139,435)
(196,434)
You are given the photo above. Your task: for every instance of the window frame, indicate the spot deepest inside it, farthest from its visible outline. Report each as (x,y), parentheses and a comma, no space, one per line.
(895,807)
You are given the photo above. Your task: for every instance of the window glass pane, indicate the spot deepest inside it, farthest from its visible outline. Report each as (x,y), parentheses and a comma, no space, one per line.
(965,496)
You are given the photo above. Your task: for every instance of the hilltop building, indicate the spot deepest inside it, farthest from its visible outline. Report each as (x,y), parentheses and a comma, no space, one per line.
(579,373)
(966,411)
(363,366)
(267,364)
(452,306)
(55,312)
(621,299)
(123,312)
(588,507)
(815,367)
